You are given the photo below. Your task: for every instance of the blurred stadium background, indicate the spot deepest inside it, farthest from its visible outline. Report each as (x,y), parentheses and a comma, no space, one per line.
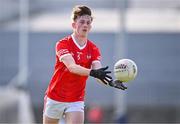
(147,31)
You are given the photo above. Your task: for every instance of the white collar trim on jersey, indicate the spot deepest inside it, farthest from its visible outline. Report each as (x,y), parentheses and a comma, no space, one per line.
(80,47)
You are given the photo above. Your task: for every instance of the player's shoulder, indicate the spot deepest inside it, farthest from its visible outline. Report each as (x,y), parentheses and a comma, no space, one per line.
(64,40)
(91,43)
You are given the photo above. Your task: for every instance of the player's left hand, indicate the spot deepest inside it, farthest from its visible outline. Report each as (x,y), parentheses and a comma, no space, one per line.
(118,84)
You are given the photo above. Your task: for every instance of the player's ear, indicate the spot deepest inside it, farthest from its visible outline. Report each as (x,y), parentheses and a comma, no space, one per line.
(73,25)
(90,27)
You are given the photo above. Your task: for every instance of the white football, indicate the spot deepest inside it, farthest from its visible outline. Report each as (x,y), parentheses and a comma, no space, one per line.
(125,70)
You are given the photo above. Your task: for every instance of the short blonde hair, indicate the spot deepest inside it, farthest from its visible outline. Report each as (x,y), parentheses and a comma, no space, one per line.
(81,10)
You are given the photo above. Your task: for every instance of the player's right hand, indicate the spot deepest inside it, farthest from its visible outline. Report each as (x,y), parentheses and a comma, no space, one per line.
(102,74)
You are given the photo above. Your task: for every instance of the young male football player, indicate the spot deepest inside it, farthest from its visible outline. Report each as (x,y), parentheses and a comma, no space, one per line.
(76,59)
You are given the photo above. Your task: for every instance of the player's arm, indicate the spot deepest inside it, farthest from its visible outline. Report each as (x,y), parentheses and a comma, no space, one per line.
(97,65)
(99,73)
(116,83)
(69,62)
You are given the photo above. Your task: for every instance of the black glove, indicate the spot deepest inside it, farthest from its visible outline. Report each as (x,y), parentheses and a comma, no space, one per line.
(117,84)
(102,74)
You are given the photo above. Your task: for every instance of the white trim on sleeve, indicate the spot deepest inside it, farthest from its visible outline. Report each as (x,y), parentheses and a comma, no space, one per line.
(95,61)
(60,58)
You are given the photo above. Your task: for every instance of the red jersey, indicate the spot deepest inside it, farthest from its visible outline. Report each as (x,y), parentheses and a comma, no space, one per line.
(64,85)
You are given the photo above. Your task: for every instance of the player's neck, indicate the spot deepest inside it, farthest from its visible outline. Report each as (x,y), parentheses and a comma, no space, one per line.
(80,40)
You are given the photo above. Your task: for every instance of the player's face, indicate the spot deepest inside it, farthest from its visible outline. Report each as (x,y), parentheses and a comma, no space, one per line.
(82,25)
